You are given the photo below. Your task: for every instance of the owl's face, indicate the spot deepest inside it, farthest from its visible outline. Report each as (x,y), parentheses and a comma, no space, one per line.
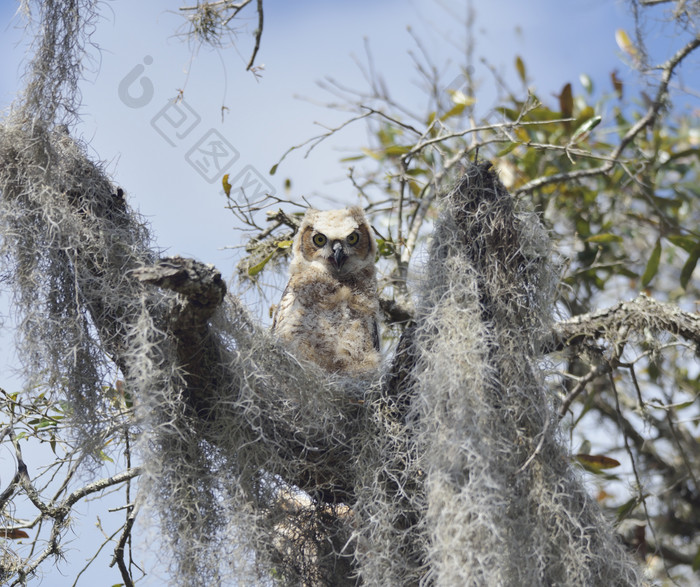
(339,242)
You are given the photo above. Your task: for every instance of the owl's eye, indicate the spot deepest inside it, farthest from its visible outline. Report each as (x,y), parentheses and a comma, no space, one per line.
(353,238)
(319,239)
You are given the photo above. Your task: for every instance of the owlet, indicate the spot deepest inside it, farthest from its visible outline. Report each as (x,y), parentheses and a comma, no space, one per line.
(329,310)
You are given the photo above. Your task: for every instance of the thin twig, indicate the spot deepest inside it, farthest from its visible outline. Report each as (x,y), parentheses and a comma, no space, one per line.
(640,486)
(258,36)
(594,373)
(92,558)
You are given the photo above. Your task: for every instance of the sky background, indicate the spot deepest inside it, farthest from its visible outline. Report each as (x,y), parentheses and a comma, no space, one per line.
(303,42)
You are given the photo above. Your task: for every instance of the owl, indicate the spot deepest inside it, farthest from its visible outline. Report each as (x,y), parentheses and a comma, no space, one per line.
(329,310)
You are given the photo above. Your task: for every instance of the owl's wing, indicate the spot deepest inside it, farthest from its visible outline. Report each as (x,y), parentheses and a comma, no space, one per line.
(277,309)
(375,335)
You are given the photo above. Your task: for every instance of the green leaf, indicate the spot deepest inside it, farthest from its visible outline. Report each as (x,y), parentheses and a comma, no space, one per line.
(39,423)
(456,110)
(689,266)
(385,248)
(372,154)
(604,237)
(396,150)
(128,400)
(622,270)
(520,66)
(684,405)
(652,264)
(105,457)
(416,171)
(696,561)
(509,113)
(255,269)
(353,158)
(628,507)
(583,227)
(273,169)
(507,149)
(284,244)
(584,114)
(586,127)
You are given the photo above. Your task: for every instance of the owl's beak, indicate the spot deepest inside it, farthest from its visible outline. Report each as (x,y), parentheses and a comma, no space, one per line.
(339,255)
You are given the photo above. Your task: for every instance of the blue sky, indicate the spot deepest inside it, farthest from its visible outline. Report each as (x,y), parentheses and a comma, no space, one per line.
(155,160)
(303,42)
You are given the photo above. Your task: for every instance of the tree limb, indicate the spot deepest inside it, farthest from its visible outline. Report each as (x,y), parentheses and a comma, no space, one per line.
(636,315)
(645,121)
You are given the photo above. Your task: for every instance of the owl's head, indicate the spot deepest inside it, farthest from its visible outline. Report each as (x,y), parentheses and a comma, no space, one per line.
(336,241)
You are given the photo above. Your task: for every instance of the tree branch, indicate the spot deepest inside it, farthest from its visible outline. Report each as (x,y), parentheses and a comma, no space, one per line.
(636,315)
(99,485)
(645,121)
(595,372)
(118,557)
(258,36)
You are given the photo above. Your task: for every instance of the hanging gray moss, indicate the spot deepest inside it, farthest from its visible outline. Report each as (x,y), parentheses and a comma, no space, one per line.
(504,505)
(466,480)
(69,243)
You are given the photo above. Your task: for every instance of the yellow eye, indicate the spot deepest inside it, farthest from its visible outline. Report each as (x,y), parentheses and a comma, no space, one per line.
(319,239)
(353,238)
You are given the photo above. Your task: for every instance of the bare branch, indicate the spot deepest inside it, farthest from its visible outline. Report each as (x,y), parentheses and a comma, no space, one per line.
(258,36)
(594,373)
(118,557)
(639,485)
(100,485)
